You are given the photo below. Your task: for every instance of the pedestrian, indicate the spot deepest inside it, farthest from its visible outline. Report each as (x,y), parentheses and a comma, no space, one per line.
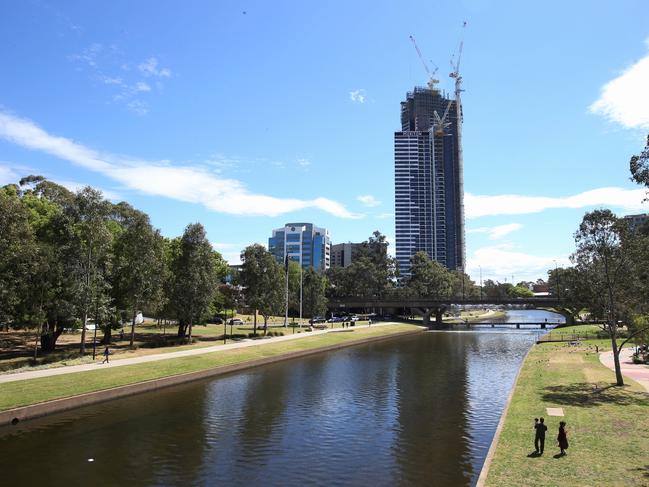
(121,334)
(536,424)
(539,437)
(562,438)
(106,355)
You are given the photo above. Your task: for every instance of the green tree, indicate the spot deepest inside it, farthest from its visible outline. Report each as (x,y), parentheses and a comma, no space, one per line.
(428,278)
(371,273)
(50,302)
(639,166)
(263,281)
(463,286)
(196,278)
(600,260)
(92,241)
(138,264)
(314,286)
(569,286)
(17,251)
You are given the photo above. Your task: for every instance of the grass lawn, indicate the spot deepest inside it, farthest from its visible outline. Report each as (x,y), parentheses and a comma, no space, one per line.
(607,426)
(32,391)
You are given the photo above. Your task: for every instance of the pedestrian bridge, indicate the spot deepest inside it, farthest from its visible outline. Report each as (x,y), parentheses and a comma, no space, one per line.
(429,305)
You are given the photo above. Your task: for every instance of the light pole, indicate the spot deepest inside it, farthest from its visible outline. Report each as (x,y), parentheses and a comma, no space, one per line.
(480,281)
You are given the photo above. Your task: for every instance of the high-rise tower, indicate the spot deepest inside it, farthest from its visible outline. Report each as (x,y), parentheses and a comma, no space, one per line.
(428,180)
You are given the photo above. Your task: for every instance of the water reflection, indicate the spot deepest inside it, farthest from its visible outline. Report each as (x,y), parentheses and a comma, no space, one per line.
(418,410)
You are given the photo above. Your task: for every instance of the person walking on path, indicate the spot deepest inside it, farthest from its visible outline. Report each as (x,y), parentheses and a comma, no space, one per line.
(562,438)
(536,443)
(539,437)
(106,355)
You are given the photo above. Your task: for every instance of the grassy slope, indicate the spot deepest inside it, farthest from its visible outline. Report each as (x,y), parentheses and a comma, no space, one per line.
(22,393)
(606,425)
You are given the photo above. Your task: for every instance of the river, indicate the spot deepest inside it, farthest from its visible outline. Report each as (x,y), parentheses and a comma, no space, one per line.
(415,410)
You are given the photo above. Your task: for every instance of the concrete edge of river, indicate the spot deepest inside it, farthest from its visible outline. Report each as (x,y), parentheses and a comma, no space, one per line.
(47,408)
(494,442)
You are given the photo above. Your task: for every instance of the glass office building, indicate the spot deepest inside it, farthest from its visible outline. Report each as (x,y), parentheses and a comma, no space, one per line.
(429,212)
(302,242)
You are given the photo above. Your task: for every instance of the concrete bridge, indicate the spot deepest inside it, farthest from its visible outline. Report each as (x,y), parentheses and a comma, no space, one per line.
(427,306)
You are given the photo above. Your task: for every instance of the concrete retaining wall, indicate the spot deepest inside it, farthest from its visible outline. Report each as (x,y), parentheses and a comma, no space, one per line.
(65,404)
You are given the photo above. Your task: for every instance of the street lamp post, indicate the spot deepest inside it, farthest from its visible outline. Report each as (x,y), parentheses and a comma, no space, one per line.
(480,281)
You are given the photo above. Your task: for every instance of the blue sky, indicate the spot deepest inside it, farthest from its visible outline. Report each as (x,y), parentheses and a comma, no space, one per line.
(247,115)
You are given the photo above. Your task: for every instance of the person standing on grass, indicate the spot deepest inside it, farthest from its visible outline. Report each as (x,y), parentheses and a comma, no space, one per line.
(106,355)
(562,438)
(539,437)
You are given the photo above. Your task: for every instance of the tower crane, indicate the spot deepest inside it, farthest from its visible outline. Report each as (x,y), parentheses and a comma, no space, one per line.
(455,74)
(432,81)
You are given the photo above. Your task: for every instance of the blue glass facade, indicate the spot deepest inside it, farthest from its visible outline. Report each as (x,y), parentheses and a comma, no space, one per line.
(428,182)
(302,242)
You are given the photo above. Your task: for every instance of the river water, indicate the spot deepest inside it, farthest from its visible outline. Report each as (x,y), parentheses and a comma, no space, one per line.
(415,410)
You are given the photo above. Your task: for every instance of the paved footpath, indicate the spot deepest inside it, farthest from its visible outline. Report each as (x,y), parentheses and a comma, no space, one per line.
(637,372)
(70,369)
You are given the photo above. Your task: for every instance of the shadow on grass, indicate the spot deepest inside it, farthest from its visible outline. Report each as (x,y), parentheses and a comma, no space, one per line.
(534,454)
(644,470)
(585,394)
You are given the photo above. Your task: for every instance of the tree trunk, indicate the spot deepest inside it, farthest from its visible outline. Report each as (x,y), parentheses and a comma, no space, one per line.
(133,327)
(49,337)
(191,323)
(39,332)
(612,327)
(616,359)
(181,329)
(265,324)
(254,322)
(82,349)
(108,335)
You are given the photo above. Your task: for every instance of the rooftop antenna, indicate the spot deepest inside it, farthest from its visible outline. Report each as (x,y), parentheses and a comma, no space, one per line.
(432,81)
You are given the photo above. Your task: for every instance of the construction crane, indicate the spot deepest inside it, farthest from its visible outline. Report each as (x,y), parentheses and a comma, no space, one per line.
(432,81)
(440,123)
(455,74)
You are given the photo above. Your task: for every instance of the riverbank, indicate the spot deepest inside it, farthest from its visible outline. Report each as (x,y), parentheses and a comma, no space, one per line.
(26,393)
(606,425)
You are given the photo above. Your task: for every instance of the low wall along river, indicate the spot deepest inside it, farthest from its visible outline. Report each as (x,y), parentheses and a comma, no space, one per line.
(416,410)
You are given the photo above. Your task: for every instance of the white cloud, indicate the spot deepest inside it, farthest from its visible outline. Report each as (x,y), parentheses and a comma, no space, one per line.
(138,107)
(104,64)
(150,68)
(383,216)
(500,262)
(142,86)
(368,200)
(625,99)
(358,96)
(498,231)
(75,186)
(8,175)
(304,162)
(160,178)
(512,204)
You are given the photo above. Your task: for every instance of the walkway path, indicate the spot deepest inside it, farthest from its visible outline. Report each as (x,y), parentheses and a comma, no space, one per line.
(637,372)
(33,374)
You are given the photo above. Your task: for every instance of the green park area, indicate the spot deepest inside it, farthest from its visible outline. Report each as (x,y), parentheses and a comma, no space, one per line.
(33,391)
(606,424)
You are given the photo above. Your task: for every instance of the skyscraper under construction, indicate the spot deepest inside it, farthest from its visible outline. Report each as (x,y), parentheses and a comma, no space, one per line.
(429,192)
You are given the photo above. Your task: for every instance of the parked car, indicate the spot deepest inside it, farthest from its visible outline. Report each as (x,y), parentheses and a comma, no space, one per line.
(235,321)
(334,319)
(353,318)
(317,319)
